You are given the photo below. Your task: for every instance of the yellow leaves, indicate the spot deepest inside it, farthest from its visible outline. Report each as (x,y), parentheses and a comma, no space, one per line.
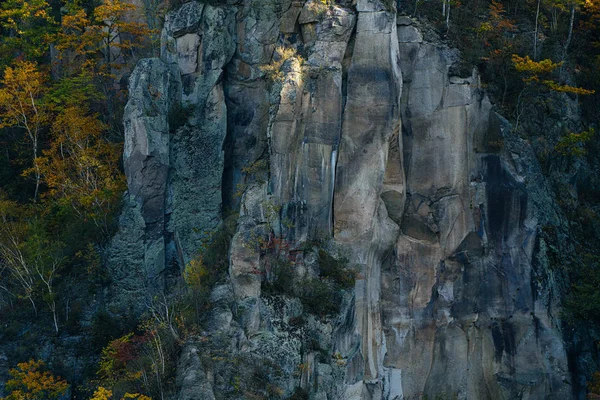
(104,36)
(102,394)
(30,27)
(567,88)
(573,144)
(136,396)
(29,381)
(282,54)
(80,166)
(533,70)
(195,273)
(21,105)
(20,12)
(527,65)
(485,27)
(22,88)
(113,361)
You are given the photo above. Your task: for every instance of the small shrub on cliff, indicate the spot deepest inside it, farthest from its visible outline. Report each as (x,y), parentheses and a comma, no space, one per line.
(299,394)
(281,280)
(583,300)
(281,55)
(336,270)
(320,295)
(573,144)
(205,270)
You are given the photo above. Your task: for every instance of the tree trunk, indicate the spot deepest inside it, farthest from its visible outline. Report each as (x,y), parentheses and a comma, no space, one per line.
(535,35)
(570,35)
(54,315)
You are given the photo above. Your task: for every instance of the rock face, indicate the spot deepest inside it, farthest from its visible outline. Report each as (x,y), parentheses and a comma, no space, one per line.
(363,139)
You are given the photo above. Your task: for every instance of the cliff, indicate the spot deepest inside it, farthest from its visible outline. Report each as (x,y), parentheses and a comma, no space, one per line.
(365,141)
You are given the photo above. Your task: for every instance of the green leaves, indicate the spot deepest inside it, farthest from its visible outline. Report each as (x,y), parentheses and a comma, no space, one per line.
(28,29)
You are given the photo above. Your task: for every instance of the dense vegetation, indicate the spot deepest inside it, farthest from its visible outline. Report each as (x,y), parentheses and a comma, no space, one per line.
(61,182)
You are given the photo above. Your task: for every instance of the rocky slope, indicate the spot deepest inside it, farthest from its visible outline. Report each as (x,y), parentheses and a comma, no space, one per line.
(365,140)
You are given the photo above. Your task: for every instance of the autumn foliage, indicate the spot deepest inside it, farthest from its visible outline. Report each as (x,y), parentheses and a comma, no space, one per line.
(101,40)
(538,71)
(31,381)
(21,105)
(81,168)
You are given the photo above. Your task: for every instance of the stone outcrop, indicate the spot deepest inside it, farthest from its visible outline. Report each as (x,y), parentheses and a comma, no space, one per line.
(363,139)
(460,301)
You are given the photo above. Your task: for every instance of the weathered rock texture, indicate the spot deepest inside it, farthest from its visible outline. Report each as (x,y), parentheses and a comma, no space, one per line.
(360,136)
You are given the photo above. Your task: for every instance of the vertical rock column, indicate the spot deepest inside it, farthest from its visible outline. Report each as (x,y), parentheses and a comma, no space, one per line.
(247,96)
(370,125)
(306,129)
(198,42)
(146,159)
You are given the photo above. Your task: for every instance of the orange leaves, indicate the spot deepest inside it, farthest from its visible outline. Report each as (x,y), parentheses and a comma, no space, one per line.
(493,33)
(73,34)
(498,18)
(29,381)
(498,22)
(114,359)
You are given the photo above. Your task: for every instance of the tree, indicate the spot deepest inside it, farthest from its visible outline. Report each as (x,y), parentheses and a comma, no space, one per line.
(21,105)
(31,381)
(101,43)
(30,258)
(101,393)
(573,144)
(26,30)
(539,71)
(81,168)
(12,259)
(494,34)
(103,40)
(538,75)
(104,394)
(145,359)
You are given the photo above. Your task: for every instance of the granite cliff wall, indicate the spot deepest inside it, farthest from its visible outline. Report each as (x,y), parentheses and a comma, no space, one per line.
(364,136)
